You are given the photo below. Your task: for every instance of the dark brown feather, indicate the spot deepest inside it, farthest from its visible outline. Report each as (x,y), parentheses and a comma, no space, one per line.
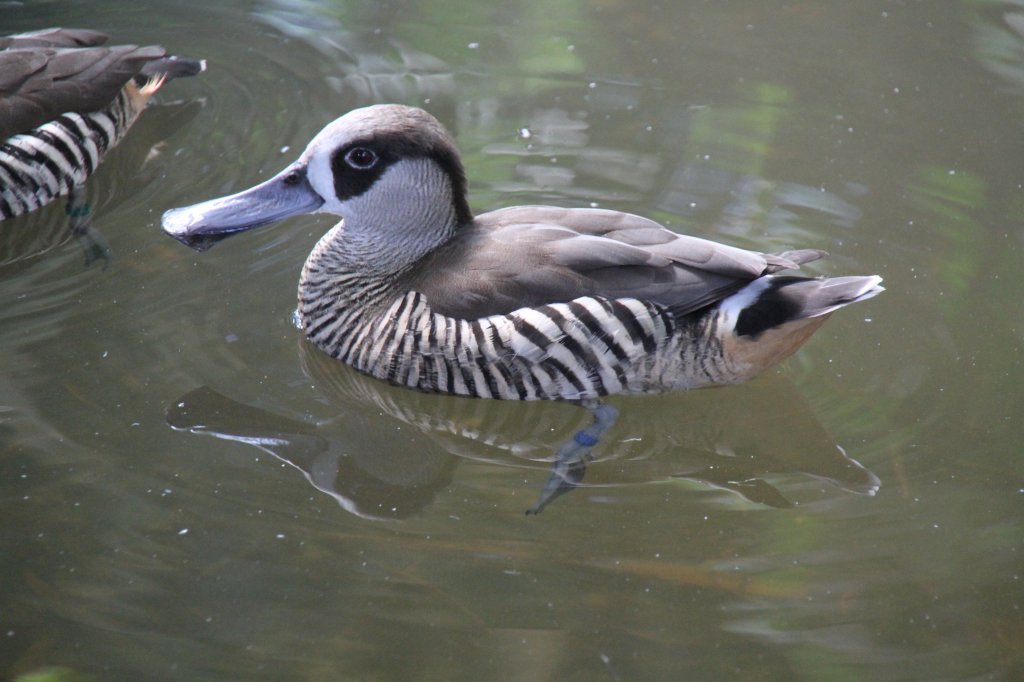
(44,75)
(54,37)
(535,255)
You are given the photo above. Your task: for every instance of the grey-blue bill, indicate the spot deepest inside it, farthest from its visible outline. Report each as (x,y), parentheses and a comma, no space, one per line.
(202,225)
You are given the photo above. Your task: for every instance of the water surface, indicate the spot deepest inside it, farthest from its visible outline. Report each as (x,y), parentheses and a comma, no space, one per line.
(190,491)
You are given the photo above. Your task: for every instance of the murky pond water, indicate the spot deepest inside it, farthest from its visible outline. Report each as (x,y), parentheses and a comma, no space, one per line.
(190,491)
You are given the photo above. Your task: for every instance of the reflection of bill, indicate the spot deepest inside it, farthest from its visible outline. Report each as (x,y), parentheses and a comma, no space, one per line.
(391,475)
(374,466)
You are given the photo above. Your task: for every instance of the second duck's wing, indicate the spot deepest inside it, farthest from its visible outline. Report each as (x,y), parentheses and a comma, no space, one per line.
(534,255)
(44,75)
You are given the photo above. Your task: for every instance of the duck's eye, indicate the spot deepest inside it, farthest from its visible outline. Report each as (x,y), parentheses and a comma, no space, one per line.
(361,158)
(293,178)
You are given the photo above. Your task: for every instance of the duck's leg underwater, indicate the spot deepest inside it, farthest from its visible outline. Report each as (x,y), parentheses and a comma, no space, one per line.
(93,244)
(572,457)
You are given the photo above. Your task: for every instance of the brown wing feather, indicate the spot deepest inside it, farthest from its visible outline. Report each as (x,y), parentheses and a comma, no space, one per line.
(534,255)
(44,75)
(54,37)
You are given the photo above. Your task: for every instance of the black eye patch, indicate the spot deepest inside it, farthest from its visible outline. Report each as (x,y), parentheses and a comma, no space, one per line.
(359,164)
(356,167)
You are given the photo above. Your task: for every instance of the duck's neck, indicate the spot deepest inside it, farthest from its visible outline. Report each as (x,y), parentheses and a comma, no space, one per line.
(410,212)
(367,262)
(352,277)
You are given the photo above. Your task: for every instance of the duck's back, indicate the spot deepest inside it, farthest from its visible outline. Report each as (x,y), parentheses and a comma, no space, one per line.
(534,255)
(44,75)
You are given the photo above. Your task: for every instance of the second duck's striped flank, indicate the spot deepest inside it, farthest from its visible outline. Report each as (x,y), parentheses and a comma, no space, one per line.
(45,163)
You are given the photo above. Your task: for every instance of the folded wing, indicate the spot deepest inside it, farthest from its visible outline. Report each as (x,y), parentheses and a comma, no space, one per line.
(534,255)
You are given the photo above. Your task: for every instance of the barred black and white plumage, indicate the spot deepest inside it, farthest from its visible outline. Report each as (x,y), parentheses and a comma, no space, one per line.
(561,350)
(523,303)
(38,166)
(65,101)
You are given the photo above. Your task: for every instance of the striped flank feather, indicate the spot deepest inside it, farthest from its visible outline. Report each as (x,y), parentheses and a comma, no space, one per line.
(586,348)
(38,166)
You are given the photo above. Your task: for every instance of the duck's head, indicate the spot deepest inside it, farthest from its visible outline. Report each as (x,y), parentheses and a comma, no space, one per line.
(392,172)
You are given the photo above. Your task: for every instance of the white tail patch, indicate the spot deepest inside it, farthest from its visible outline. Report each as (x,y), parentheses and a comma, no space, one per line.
(731,307)
(772,302)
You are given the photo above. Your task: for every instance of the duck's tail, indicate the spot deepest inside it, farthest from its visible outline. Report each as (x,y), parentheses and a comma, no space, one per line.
(776,301)
(157,72)
(169,68)
(769,319)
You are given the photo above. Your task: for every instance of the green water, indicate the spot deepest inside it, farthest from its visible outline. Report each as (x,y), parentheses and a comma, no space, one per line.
(189,491)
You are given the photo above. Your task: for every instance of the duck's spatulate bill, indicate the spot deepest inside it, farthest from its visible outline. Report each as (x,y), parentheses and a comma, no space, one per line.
(200,226)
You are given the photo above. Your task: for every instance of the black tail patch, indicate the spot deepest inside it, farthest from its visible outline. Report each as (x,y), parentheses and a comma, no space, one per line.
(170,67)
(771,309)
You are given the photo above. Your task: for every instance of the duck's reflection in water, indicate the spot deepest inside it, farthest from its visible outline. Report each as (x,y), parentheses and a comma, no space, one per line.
(375,466)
